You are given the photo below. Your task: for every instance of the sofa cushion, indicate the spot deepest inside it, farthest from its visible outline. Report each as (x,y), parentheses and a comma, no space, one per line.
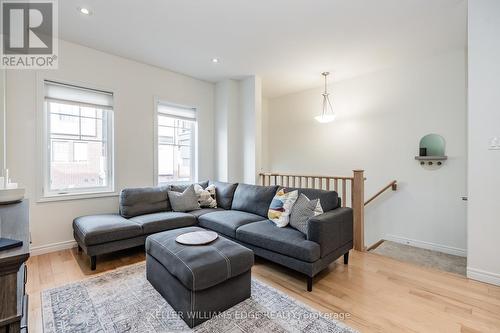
(143,200)
(224,193)
(157,222)
(329,199)
(199,212)
(199,267)
(182,187)
(226,222)
(98,229)
(253,198)
(287,241)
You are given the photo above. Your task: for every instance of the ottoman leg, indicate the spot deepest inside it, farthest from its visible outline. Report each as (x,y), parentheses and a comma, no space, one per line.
(93,263)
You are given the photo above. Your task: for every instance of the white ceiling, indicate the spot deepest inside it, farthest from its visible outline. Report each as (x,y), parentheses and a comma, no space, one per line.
(286,42)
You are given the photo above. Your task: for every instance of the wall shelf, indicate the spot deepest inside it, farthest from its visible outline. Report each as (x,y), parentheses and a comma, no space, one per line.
(430,160)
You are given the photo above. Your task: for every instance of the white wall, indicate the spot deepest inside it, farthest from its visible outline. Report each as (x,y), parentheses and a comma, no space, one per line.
(238,108)
(2,119)
(251,127)
(228,138)
(380,120)
(484,123)
(134,85)
(226,100)
(265,167)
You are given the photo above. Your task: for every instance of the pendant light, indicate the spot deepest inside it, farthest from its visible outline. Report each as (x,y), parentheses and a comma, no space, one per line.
(327,115)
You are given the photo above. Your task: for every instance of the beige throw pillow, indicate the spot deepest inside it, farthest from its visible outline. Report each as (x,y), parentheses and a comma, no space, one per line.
(206,197)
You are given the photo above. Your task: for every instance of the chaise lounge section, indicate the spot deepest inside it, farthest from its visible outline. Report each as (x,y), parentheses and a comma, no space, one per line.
(241,216)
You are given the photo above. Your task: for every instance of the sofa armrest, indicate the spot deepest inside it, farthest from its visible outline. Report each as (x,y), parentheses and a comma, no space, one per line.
(331,230)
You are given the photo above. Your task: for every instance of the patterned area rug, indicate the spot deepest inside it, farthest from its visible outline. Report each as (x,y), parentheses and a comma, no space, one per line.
(124,301)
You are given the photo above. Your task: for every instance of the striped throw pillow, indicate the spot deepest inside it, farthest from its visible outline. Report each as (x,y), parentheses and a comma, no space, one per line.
(302,211)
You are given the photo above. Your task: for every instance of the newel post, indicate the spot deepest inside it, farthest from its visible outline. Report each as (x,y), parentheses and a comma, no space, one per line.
(358,206)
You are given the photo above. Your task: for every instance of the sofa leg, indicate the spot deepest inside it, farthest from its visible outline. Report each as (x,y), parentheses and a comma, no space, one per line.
(93,263)
(309,283)
(79,248)
(346,258)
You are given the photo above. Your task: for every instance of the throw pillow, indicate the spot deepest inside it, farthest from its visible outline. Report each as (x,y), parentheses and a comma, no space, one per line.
(281,206)
(181,187)
(185,201)
(302,211)
(206,197)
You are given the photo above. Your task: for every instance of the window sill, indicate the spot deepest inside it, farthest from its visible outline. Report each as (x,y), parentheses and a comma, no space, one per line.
(176,182)
(74,196)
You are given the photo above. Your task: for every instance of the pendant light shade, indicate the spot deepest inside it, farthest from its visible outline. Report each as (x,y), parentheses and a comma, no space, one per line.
(327,115)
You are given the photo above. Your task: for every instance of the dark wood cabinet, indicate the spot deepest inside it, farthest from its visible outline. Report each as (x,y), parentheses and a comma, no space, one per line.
(14,224)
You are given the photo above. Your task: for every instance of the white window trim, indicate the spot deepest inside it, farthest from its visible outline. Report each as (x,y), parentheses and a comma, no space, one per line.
(80,196)
(194,152)
(42,151)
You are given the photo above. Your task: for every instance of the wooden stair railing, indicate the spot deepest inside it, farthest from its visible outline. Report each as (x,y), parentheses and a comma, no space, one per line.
(392,185)
(351,191)
(375,245)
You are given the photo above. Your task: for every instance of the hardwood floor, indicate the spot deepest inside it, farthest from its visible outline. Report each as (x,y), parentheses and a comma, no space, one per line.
(377,293)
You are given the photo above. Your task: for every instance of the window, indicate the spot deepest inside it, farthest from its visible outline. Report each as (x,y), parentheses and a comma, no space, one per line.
(78,136)
(176,129)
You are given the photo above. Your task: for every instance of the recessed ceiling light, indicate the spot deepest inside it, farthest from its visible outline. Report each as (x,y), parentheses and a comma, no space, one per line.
(84,11)
(215,60)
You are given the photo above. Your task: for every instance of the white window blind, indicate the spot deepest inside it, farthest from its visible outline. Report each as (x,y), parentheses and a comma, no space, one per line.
(177,111)
(74,94)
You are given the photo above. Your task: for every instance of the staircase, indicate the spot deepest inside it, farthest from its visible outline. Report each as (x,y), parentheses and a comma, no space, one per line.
(351,190)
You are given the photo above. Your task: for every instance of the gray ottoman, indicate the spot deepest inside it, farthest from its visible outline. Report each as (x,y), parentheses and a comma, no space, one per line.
(201,281)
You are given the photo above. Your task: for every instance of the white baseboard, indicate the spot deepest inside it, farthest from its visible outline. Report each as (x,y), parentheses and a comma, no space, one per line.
(427,245)
(483,276)
(43,249)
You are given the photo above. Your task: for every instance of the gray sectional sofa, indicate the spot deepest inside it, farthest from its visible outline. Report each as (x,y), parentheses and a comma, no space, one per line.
(241,216)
